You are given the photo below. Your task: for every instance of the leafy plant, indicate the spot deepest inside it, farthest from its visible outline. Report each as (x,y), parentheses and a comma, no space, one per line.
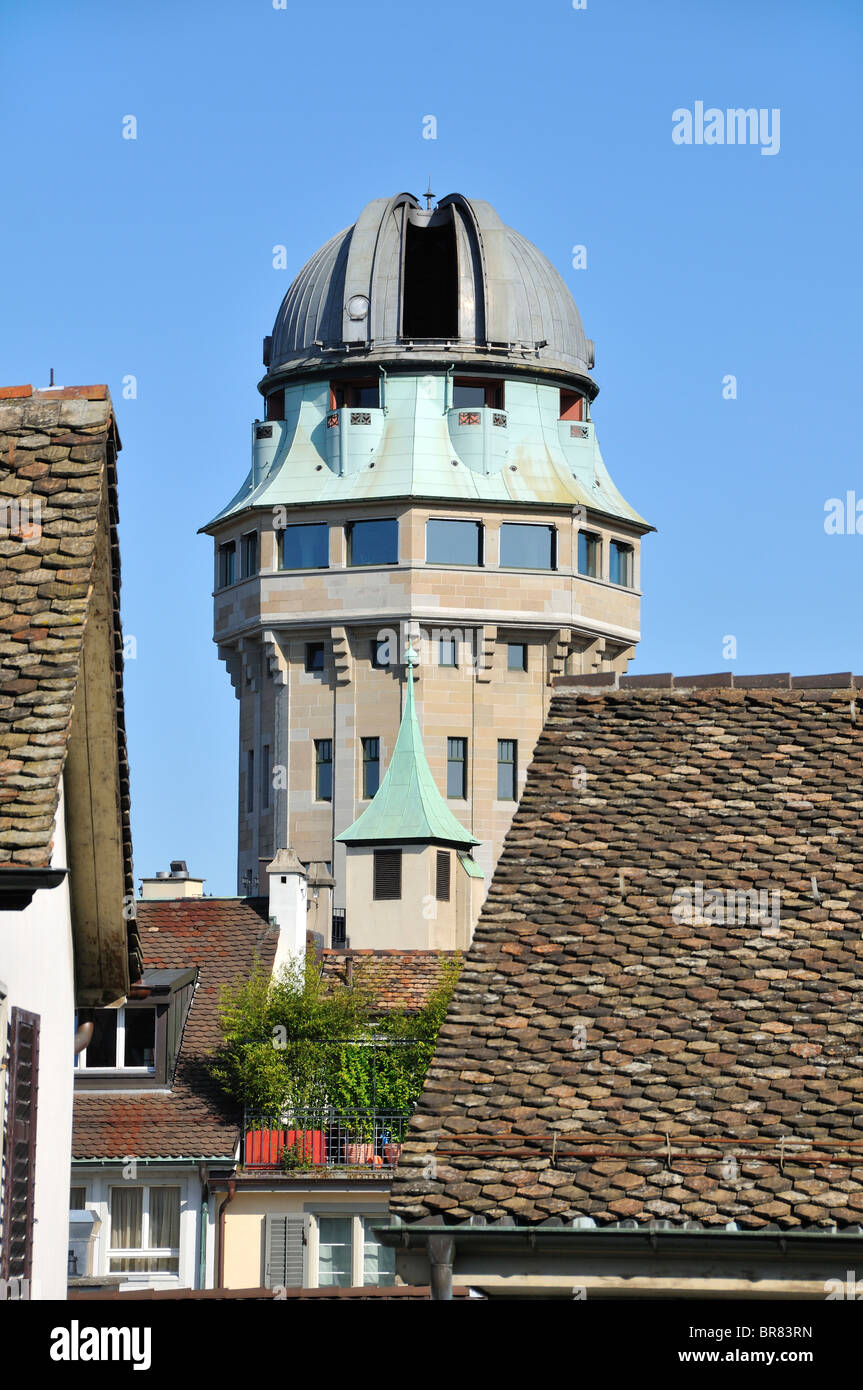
(296,1046)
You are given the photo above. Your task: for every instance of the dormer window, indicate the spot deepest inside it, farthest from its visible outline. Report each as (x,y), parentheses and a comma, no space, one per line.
(123,1039)
(135,1047)
(355,395)
(468,394)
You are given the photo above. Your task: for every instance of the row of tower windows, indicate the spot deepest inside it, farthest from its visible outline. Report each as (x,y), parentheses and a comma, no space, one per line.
(382,656)
(456,771)
(523,546)
(467,393)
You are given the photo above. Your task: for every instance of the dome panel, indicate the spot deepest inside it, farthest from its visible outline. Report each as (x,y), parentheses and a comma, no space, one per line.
(498,297)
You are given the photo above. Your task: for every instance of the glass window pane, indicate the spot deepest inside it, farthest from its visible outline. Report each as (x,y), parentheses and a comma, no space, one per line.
(588,554)
(453,542)
(140,1038)
(516,656)
(127,1211)
(77,1198)
(526,547)
(506,769)
(373,542)
(102,1047)
(305,547)
(335,1248)
(468,397)
(164,1231)
(456,768)
(324,769)
(144,1264)
(371,766)
(620,564)
(379,1261)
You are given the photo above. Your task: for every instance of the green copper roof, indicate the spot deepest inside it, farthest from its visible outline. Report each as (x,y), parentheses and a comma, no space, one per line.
(407,805)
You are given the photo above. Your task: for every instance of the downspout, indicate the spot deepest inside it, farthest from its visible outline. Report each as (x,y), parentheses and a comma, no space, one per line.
(440,1253)
(232,1192)
(203,1175)
(383,373)
(447,390)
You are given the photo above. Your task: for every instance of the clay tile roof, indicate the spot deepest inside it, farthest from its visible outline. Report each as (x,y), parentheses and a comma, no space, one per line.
(57,452)
(222,937)
(403,980)
(618,1053)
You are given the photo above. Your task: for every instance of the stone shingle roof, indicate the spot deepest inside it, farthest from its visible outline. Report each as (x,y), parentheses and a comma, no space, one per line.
(402,980)
(57,455)
(616,1053)
(222,936)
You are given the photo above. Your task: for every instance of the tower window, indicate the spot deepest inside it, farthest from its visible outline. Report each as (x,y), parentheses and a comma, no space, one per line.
(305,547)
(469,395)
(588,554)
(276,405)
(571,406)
(227,564)
(250,780)
(323,769)
(620,564)
(266,773)
(516,656)
(249,554)
(456,769)
(447,651)
(507,769)
(382,653)
(430,304)
(453,542)
(373,542)
(443,866)
(387,874)
(525,547)
(357,395)
(314,656)
(371,766)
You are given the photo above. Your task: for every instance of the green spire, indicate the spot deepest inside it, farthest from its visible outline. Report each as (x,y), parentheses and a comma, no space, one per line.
(407,805)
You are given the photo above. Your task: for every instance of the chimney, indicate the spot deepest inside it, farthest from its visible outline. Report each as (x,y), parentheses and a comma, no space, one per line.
(178,883)
(287,886)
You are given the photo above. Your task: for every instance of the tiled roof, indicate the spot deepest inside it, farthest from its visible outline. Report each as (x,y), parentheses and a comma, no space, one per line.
(57,452)
(221,936)
(394,979)
(618,1054)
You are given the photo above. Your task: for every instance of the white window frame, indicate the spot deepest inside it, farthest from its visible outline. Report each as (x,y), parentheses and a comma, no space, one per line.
(98,1185)
(358,1242)
(120,1051)
(144,1251)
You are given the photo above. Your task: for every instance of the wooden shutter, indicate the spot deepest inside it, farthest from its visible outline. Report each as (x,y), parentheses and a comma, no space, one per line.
(442,875)
(16,1261)
(388,874)
(284,1252)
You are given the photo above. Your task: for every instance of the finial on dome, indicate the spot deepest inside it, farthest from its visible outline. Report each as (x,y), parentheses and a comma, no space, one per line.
(428,195)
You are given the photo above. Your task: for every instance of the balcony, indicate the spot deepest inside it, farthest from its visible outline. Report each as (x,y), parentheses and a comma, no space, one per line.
(367,1140)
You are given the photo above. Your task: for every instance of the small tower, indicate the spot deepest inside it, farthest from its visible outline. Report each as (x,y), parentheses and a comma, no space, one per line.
(411,880)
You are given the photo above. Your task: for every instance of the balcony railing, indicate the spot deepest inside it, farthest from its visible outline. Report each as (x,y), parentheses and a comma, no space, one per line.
(364,1139)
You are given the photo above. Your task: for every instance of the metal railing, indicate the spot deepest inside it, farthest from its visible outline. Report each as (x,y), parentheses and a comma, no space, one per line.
(361,1139)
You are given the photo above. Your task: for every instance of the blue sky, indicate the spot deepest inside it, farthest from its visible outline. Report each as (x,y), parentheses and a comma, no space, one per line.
(259,126)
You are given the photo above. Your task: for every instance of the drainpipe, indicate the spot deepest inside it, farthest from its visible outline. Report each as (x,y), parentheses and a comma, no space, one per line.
(203,1176)
(382,371)
(232,1192)
(447,393)
(440,1252)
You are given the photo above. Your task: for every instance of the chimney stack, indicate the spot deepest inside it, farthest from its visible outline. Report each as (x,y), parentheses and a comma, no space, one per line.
(288,894)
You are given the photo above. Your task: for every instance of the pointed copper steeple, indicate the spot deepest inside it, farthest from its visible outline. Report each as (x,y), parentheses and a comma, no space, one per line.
(407,806)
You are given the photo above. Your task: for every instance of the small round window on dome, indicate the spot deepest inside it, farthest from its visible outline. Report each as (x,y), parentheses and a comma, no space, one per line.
(358,306)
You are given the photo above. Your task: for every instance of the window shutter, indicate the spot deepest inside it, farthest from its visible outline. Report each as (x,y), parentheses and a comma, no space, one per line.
(388,874)
(284,1253)
(442,875)
(17,1255)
